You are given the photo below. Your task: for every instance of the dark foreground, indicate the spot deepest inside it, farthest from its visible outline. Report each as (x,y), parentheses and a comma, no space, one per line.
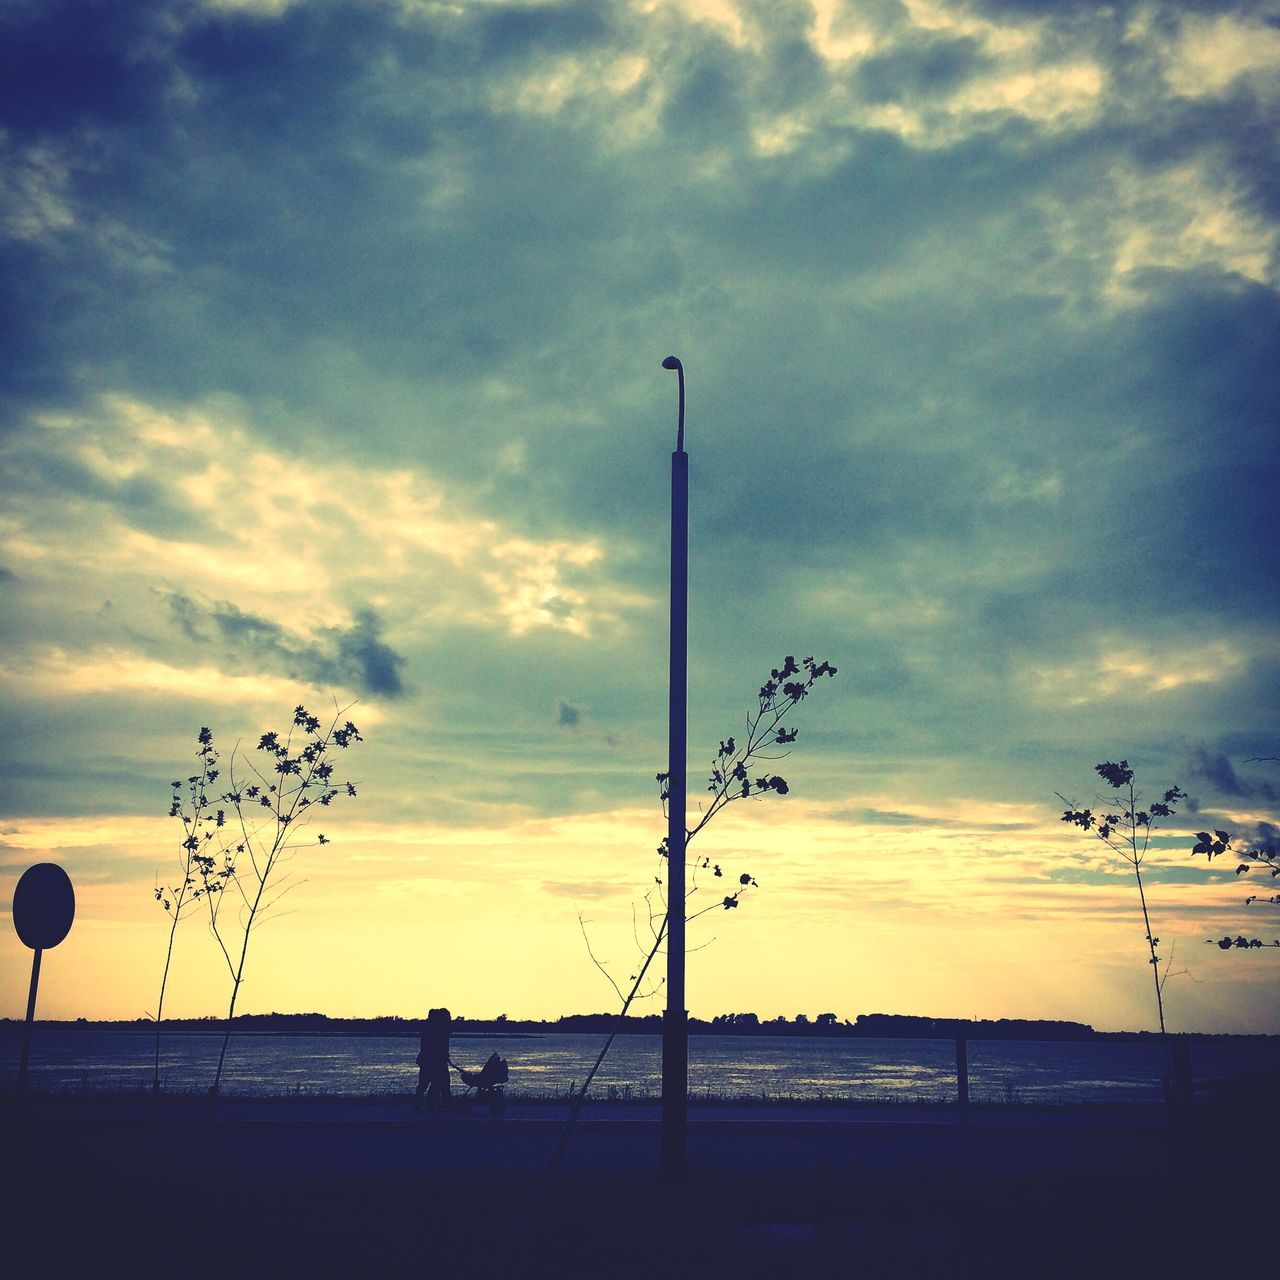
(367,1189)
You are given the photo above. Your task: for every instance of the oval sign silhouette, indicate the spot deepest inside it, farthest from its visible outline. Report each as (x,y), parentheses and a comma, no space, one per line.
(44,905)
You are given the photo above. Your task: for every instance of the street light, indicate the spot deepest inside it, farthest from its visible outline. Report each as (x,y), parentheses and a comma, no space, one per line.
(675,1039)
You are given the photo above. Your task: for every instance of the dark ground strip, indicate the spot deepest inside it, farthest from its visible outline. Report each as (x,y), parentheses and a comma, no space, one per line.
(760,1200)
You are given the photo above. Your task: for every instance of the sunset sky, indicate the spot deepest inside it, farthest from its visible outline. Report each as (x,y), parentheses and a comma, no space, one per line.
(330,346)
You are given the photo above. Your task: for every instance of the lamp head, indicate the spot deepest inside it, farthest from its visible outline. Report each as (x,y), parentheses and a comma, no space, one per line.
(671,362)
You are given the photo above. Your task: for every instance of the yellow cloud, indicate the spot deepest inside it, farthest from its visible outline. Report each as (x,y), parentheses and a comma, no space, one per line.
(838,32)
(950,903)
(273,527)
(1185,217)
(1046,94)
(56,673)
(1118,669)
(1210,54)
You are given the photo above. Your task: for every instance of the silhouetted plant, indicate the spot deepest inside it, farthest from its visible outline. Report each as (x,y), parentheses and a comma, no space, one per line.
(730,780)
(190,887)
(1261,854)
(243,845)
(1128,832)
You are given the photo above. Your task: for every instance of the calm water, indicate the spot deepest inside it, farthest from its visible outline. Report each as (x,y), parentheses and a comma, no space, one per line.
(753,1066)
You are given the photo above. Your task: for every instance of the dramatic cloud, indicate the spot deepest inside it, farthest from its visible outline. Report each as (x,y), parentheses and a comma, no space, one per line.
(350,657)
(330,370)
(567,715)
(1215,769)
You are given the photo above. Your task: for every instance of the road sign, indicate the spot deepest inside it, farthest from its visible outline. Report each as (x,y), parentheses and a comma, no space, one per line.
(44,905)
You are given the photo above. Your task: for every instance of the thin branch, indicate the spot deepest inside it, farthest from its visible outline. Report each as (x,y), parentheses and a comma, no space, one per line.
(582,924)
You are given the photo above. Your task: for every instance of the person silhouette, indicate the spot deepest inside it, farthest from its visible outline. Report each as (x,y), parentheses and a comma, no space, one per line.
(433,1062)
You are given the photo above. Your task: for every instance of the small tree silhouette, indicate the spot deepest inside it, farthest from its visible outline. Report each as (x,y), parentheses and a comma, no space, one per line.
(1261,854)
(1128,833)
(190,887)
(245,844)
(730,780)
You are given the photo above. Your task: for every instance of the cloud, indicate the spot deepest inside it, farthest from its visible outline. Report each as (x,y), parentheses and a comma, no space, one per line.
(1214,768)
(330,356)
(579,891)
(191,498)
(1264,833)
(345,657)
(929,68)
(56,673)
(1211,55)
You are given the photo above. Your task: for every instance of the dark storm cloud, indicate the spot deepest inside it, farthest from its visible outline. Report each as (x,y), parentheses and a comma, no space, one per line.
(978,306)
(287,225)
(255,226)
(1264,833)
(933,68)
(66,65)
(1215,768)
(516,31)
(343,656)
(1073,9)
(145,502)
(375,225)
(33,369)
(257,165)
(376,664)
(705,103)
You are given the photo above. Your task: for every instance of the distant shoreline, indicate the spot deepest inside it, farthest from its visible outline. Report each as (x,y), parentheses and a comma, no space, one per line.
(876,1027)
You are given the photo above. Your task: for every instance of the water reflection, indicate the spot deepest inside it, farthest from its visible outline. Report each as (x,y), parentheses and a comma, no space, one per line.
(719,1066)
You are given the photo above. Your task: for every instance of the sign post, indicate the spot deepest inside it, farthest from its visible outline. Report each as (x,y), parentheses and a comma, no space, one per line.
(44,905)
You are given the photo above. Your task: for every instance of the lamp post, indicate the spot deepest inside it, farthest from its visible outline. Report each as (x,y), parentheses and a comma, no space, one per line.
(675,1040)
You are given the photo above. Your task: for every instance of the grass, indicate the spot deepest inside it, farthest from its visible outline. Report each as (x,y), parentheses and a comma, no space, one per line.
(743,1224)
(611,1095)
(616,1096)
(884,1216)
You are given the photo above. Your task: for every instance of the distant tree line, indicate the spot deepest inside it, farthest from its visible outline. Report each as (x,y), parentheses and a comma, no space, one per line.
(824,1024)
(889,1026)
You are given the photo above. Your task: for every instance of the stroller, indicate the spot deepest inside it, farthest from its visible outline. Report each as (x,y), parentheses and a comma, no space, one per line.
(485,1086)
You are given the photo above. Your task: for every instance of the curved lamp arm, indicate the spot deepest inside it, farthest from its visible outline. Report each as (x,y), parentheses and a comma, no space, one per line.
(673,362)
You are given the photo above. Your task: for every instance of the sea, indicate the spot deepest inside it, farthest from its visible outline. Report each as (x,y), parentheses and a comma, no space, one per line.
(547,1066)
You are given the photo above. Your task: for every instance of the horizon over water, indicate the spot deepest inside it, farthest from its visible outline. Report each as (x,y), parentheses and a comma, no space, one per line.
(736,1066)
(870,1026)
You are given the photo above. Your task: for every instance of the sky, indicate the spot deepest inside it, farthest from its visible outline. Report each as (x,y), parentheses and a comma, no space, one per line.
(330,372)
